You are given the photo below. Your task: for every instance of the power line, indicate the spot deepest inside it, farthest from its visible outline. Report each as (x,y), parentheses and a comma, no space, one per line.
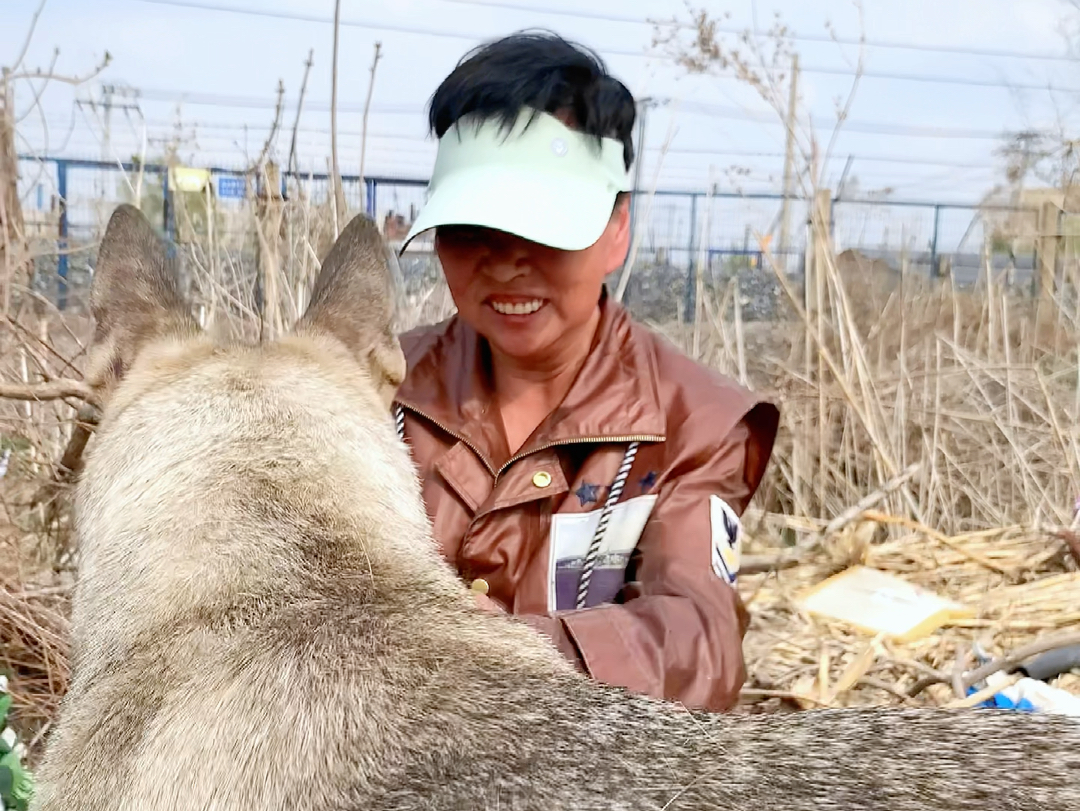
(706,109)
(258,102)
(900,159)
(433,32)
(854,125)
(164,129)
(710,110)
(365,24)
(819,38)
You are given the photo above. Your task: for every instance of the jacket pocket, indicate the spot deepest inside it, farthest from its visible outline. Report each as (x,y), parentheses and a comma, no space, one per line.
(569,540)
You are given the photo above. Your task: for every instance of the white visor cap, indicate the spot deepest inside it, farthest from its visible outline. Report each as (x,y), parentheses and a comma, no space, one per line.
(541,181)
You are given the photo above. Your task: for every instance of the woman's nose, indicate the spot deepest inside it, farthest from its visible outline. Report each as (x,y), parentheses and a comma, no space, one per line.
(506,259)
(503,270)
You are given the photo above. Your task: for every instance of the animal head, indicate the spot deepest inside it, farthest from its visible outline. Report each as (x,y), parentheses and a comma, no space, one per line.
(135,302)
(222,468)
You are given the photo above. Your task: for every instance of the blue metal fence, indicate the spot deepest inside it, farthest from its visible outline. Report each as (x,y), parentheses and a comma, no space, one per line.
(674,227)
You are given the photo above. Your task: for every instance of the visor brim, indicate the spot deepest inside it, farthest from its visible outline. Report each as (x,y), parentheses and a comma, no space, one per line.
(563,212)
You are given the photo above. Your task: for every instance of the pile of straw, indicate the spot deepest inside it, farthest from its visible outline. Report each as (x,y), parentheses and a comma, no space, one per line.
(34,654)
(34,608)
(1022,586)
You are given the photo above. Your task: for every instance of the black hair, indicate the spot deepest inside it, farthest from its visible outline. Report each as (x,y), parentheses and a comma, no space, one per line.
(539,70)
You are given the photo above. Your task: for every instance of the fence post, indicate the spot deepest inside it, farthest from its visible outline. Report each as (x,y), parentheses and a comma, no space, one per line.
(166,204)
(62,242)
(935,269)
(1046,248)
(689,301)
(369,196)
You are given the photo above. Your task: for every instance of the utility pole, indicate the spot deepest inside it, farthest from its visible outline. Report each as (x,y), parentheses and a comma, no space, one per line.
(106,104)
(110,94)
(789,154)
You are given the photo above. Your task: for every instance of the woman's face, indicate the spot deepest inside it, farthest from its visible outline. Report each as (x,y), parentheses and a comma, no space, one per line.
(529,301)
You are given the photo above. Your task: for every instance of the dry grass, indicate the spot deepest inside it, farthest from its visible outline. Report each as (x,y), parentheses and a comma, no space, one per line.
(931,435)
(928,432)
(34,603)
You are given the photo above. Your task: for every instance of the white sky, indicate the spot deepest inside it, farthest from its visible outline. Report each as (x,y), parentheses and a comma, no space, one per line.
(943,152)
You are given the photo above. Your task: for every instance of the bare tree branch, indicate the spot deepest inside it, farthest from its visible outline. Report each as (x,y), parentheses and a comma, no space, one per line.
(279,108)
(29,36)
(59,77)
(299,109)
(54,390)
(39,92)
(367,107)
(845,111)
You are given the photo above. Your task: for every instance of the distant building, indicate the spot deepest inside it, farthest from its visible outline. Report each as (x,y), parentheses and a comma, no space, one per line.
(396,227)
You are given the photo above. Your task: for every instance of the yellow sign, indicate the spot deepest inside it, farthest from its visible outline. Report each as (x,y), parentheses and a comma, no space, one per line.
(877,602)
(187,178)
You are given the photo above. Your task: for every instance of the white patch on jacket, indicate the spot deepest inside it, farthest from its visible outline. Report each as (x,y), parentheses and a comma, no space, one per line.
(726,540)
(572,534)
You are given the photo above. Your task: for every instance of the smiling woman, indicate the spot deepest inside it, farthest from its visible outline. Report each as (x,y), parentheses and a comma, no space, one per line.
(535,305)
(578,470)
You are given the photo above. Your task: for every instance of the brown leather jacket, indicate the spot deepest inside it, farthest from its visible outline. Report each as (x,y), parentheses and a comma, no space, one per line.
(661,614)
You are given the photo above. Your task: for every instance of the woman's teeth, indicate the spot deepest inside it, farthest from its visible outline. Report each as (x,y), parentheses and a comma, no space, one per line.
(524,308)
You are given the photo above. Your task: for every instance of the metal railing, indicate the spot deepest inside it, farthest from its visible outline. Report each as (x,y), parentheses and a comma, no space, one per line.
(675,229)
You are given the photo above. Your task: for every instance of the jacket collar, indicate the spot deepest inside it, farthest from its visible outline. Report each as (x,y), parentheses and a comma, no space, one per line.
(615,396)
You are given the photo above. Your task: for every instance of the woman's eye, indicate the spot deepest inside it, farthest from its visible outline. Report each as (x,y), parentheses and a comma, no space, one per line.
(459,234)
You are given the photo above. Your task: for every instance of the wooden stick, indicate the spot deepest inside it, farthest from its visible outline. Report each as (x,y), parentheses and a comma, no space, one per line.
(1004,663)
(339,192)
(367,108)
(982,695)
(54,390)
(757,564)
(70,461)
(882,518)
(1072,543)
(864,504)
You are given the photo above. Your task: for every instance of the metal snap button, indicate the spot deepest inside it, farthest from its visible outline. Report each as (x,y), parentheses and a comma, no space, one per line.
(541,478)
(480,585)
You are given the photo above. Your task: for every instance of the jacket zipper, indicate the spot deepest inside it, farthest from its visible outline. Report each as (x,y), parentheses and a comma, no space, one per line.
(577,440)
(516,457)
(455,434)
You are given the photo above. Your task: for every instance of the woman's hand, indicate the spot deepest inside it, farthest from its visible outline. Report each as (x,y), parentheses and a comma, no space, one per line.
(479,588)
(487,603)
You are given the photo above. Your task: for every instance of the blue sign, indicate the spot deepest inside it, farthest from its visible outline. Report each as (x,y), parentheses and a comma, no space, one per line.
(231,186)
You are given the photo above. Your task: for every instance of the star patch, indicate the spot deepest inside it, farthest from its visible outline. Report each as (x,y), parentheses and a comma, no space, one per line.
(587,493)
(648,481)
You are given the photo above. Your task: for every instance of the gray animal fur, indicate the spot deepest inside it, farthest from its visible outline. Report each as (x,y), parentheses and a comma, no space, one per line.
(261,620)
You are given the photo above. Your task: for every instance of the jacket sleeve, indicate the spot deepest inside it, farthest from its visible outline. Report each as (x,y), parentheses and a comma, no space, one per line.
(678,632)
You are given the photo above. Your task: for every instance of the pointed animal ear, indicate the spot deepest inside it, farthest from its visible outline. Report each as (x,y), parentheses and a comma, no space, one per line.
(353,300)
(133,297)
